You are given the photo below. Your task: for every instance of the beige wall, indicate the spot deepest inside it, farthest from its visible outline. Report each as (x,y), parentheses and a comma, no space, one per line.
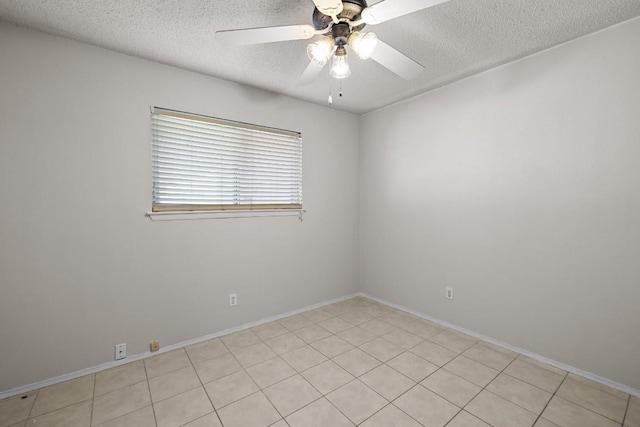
(82,268)
(520,188)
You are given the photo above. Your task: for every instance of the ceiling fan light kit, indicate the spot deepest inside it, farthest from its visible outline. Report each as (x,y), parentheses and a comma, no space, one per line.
(339,65)
(363,44)
(340,22)
(321,50)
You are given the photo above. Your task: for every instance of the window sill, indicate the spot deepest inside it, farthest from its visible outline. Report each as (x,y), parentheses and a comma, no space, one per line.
(184,216)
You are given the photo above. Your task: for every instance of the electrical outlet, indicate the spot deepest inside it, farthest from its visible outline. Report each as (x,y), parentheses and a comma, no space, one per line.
(121,351)
(233,300)
(155,345)
(448,292)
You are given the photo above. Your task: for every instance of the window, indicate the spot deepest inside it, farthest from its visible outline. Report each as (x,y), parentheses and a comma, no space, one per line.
(206,164)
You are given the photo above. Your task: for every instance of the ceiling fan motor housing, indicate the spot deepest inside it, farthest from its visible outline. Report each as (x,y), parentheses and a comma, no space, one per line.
(340,33)
(351,12)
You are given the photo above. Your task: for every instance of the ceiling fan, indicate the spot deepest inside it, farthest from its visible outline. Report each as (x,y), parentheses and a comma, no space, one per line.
(340,22)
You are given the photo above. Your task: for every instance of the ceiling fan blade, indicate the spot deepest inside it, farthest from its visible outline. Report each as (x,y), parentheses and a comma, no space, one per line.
(395,61)
(329,7)
(265,35)
(310,74)
(390,9)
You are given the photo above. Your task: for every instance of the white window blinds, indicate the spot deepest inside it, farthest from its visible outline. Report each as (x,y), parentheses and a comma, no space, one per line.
(206,164)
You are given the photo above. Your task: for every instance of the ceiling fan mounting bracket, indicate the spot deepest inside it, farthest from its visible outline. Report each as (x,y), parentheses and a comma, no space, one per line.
(350,12)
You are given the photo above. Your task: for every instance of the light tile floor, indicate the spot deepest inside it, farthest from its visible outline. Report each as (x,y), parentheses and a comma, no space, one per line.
(355,362)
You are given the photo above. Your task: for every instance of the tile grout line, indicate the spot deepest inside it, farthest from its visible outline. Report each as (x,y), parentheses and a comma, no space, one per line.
(442,368)
(439,368)
(599,389)
(153,408)
(552,396)
(328,359)
(379,318)
(349,382)
(57,409)
(565,376)
(103,394)
(356,379)
(93,399)
(278,382)
(481,389)
(589,409)
(200,379)
(417,383)
(260,389)
(34,404)
(117,389)
(202,384)
(331,360)
(390,403)
(203,387)
(489,391)
(626,411)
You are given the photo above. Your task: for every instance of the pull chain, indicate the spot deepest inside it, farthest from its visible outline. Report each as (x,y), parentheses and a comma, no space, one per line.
(341,88)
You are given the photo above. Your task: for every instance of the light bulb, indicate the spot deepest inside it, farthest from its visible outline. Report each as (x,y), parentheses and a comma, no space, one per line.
(339,66)
(364,44)
(320,51)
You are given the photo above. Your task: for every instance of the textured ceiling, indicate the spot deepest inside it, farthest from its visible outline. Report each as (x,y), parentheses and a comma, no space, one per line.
(452,40)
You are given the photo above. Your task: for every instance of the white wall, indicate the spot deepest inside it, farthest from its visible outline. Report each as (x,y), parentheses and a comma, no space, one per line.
(82,268)
(520,188)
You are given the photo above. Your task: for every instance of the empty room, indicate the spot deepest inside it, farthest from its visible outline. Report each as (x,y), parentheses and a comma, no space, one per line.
(320,213)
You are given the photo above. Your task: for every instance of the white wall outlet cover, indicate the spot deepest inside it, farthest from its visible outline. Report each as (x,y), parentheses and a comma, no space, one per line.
(448,292)
(233,300)
(121,351)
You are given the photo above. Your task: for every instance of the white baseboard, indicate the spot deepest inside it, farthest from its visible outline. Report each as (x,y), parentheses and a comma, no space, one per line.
(555,363)
(104,366)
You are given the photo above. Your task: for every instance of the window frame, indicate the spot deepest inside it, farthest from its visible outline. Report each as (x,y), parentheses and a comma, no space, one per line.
(253,146)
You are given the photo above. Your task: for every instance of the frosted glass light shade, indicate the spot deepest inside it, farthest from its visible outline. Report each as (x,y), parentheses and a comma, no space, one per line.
(320,51)
(339,66)
(363,44)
